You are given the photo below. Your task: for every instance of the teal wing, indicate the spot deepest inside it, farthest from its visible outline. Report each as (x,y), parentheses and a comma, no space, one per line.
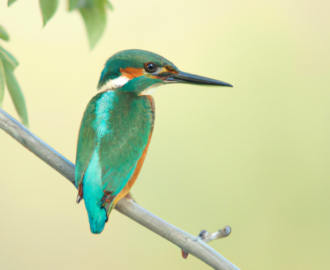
(113,135)
(86,142)
(88,173)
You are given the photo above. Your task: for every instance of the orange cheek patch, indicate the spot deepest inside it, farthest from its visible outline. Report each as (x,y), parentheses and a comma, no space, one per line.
(131,73)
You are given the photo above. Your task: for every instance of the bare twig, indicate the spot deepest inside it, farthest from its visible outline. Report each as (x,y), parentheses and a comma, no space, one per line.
(185,241)
(206,237)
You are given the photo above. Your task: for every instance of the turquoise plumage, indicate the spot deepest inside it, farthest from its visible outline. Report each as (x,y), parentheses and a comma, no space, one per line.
(117,126)
(114,132)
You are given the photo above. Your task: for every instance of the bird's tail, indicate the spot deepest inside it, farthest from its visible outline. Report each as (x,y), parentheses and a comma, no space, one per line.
(97,219)
(97,214)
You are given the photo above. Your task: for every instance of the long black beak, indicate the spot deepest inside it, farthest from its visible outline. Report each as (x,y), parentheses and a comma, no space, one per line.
(183,77)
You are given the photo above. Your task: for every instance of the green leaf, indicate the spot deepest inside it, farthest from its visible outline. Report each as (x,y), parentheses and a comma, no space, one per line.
(2,83)
(9,65)
(8,58)
(73,4)
(48,9)
(3,34)
(109,5)
(11,2)
(16,95)
(94,15)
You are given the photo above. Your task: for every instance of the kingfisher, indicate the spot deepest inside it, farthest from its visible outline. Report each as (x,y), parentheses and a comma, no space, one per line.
(117,126)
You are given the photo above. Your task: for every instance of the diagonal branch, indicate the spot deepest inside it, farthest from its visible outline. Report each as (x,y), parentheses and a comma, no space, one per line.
(185,241)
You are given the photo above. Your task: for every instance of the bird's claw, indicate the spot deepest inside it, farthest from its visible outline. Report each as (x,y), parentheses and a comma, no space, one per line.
(129,197)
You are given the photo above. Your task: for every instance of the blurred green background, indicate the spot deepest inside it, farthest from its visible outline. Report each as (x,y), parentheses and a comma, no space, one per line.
(255,157)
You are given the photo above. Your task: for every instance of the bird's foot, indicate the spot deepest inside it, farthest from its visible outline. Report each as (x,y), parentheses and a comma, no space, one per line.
(78,199)
(206,237)
(107,198)
(80,193)
(129,197)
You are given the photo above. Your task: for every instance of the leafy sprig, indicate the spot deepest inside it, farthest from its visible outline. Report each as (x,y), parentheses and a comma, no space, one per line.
(8,63)
(94,16)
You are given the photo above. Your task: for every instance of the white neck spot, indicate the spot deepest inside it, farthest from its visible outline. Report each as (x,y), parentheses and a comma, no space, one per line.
(150,90)
(115,83)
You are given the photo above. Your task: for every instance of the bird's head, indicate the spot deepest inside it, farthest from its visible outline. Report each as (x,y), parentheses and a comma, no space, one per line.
(140,72)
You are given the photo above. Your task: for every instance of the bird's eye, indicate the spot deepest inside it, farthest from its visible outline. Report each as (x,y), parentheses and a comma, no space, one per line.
(150,67)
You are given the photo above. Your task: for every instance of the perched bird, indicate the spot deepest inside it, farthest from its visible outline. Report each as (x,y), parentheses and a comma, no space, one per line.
(117,126)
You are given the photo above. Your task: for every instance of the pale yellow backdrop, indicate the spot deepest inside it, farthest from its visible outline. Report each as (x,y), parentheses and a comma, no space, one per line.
(255,157)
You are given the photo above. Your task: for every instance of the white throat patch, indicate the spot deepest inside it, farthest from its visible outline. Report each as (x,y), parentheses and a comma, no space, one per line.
(115,83)
(150,90)
(122,80)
